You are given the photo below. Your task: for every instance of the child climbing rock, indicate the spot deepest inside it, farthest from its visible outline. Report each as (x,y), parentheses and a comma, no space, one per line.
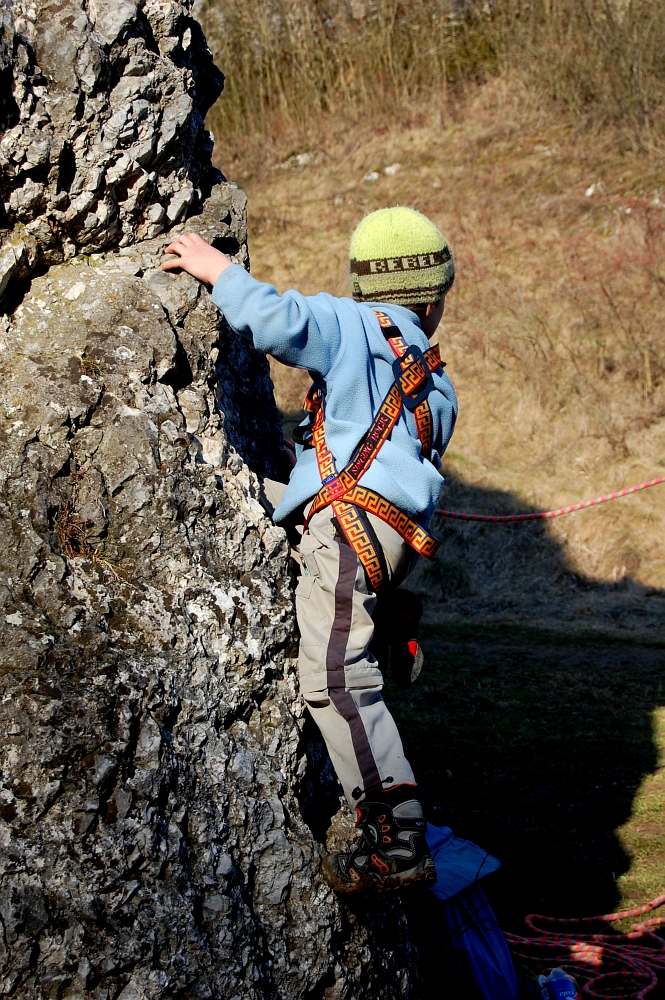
(364,487)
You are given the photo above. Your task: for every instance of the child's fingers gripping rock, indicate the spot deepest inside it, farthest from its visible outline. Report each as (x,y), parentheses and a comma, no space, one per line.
(194,255)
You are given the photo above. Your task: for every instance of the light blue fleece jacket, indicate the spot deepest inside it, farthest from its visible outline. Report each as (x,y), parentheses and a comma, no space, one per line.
(341,344)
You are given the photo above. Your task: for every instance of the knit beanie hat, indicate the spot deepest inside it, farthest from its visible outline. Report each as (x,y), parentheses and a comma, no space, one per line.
(398,255)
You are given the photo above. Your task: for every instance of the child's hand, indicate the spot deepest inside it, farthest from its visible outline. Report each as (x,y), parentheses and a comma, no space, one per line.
(197,257)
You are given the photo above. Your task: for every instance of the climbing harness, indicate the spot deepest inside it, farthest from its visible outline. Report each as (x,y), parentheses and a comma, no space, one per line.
(610,966)
(543,514)
(412,369)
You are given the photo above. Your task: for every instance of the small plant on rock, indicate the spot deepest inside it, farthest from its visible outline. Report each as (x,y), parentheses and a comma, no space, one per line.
(72,530)
(92,367)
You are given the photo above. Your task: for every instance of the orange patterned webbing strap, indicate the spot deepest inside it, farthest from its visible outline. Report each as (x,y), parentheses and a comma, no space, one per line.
(341,490)
(399,347)
(358,532)
(359,535)
(352,525)
(412,533)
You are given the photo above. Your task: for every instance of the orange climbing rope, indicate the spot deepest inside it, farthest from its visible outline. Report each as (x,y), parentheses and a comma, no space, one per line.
(606,966)
(542,514)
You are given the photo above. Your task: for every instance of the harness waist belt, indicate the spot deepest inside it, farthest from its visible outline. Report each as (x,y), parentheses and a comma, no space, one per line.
(358,531)
(413,533)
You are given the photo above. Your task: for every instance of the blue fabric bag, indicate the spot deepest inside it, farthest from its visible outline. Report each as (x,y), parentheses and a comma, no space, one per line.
(466,928)
(459,863)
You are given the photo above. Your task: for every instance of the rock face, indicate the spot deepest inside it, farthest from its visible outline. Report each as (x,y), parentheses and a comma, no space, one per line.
(102,108)
(155,764)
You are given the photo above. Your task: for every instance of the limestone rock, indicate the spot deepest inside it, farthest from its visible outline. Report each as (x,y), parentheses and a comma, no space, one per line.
(163,801)
(101,123)
(152,838)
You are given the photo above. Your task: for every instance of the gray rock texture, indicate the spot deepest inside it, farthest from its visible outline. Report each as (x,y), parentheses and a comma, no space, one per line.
(154,762)
(162,801)
(101,115)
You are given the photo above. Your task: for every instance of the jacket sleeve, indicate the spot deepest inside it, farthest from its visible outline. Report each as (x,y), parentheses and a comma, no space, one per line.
(301,331)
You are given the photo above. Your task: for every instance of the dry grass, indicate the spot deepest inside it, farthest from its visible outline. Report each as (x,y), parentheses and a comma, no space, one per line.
(75,533)
(291,61)
(72,531)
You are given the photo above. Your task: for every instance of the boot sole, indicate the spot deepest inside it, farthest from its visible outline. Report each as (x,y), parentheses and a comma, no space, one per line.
(424,872)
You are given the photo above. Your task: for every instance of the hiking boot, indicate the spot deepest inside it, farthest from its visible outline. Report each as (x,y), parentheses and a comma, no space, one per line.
(406,655)
(392,852)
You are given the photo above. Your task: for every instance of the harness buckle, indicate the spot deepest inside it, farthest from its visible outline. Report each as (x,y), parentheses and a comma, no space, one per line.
(313,399)
(413,377)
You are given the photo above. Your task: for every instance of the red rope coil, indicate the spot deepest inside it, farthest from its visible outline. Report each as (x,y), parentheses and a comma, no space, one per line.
(608,966)
(542,514)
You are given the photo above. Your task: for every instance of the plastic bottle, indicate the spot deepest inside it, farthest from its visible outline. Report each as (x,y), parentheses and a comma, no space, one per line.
(558,986)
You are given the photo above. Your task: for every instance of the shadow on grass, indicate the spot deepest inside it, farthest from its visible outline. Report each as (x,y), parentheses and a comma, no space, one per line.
(533,744)
(530,730)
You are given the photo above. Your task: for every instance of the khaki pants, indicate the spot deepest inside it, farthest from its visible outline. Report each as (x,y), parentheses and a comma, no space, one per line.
(340,679)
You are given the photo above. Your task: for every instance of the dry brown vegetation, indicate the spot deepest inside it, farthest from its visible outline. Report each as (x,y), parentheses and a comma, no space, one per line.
(290,61)
(75,533)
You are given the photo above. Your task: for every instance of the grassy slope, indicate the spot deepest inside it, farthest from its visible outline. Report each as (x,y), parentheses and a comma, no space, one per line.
(539,730)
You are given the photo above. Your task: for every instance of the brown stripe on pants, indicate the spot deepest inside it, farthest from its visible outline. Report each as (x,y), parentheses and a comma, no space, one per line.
(339,678)
(335,658)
